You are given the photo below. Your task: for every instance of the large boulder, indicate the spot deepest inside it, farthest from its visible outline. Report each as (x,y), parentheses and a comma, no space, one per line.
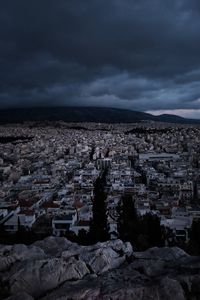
(118,246)
(54,246)
(87,288)
(170,288)
(150,267)
(102,259)
(38,277)
(16,253)
(20,296)
(167,254)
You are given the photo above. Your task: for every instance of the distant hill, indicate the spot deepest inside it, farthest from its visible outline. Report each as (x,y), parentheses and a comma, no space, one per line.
(85,114)
(174,119)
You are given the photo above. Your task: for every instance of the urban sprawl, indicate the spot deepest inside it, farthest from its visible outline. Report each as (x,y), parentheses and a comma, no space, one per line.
(48,172)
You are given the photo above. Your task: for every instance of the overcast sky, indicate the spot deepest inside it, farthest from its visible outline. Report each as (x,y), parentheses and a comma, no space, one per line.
(136,54)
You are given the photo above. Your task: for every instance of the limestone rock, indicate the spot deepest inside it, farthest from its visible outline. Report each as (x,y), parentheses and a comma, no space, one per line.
(150,267)
(20,296)
(11,254)
(56,269)
(37,277)
(165,253)
(54,246)
(170,288)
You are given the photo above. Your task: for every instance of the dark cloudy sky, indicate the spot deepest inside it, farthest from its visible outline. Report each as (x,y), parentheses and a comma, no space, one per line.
(136,54)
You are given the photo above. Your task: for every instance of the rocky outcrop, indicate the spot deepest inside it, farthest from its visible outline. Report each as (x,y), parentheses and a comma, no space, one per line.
(56,269)
(16,253)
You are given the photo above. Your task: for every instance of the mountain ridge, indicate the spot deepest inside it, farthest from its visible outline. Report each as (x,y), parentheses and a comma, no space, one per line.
(85,114)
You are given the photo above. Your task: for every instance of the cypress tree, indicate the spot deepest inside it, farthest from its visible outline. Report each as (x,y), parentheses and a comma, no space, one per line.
(194,243)
(99,226)
(127,224)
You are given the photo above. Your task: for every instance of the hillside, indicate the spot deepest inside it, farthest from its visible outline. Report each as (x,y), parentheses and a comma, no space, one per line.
(85,114)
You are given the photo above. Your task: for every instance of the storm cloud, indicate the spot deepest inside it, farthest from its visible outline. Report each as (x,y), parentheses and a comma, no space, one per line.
(142,55)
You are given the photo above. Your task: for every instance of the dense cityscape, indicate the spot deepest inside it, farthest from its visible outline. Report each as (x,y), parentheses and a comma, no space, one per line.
(52,174)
